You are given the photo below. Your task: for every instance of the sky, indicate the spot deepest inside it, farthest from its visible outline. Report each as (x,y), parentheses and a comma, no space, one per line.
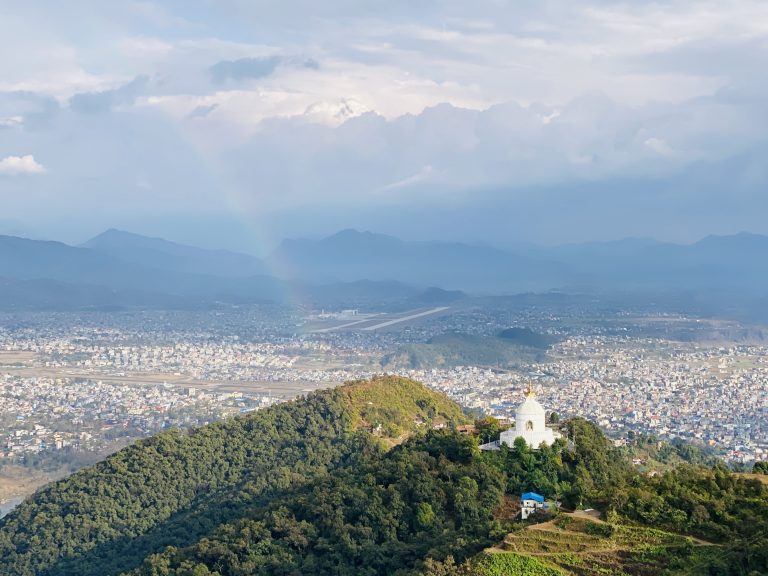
(237,123)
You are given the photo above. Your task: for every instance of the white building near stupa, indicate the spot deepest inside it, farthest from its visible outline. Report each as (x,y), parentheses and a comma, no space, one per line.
(530,424)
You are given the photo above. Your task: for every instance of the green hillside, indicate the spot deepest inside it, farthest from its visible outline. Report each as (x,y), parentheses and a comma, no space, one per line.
(429,496)
(527,337)
(355,481)
(176,487)
(456,349)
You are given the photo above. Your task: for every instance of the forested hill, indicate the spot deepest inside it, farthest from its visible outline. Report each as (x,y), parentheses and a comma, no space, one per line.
(357,481)
(176,487)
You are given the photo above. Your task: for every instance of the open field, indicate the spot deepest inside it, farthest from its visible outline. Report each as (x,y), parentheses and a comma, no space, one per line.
(759,477)
(280,389)
(14,358)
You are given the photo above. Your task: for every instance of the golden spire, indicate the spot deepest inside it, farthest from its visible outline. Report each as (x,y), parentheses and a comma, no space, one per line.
(529,393)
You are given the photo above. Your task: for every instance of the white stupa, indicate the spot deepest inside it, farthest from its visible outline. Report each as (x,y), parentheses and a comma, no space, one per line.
(530,424)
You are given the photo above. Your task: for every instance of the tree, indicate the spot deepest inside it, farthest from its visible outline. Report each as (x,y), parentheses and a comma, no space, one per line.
(554,418)
(488,428)
(447,568)
(760,467)
(425,516)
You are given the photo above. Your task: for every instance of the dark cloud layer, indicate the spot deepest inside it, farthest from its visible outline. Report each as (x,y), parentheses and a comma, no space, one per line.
(244,69)
(202,111)
(95,102)
(34,111)
(550,121)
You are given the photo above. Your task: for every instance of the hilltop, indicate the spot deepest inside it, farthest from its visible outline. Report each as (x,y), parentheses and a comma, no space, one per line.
(373,478)
(165,255)
(512,346)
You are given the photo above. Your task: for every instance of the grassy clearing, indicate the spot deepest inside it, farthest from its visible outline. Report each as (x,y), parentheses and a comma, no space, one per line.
(759,477)
(403,404)
(506,564)
(15,358)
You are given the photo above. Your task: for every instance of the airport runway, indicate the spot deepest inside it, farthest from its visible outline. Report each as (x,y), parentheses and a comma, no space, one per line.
(347,325)
(375,322)
(406,318)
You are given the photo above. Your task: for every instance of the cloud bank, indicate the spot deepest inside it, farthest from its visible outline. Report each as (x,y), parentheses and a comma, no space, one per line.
(546,121)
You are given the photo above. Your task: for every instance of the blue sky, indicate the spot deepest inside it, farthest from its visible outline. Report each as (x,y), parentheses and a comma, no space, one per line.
(236,123)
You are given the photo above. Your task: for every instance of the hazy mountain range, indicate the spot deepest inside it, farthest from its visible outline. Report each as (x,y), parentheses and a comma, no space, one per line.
(351,255)
(349,268)
(165,255)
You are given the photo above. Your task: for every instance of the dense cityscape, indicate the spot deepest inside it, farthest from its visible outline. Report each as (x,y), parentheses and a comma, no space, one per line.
(74,388)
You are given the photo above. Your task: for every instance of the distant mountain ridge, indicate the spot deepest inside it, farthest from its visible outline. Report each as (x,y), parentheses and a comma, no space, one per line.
(352,255)
(166,255)
(118,269)
(22,259)
(354,268)
(714,264)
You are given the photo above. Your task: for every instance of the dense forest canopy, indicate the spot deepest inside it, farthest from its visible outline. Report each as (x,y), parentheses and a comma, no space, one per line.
(369,478)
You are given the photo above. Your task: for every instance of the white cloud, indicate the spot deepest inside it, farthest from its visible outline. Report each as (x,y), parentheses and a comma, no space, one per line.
(659,146)
(11,121)
(17,165)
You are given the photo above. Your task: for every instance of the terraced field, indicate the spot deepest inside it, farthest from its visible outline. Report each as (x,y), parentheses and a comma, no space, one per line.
(572,545)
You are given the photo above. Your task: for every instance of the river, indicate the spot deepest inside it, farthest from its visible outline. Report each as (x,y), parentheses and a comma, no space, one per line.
(7,505)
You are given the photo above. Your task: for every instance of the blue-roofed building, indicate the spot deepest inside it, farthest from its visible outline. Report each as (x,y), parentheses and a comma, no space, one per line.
(532,496)
(530,502)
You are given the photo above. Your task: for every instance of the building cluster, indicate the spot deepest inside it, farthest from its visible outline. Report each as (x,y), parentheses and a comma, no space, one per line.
(711,395)
(622,379)
(49,414)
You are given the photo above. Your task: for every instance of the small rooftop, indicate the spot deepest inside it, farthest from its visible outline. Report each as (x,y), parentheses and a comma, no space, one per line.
(532,496)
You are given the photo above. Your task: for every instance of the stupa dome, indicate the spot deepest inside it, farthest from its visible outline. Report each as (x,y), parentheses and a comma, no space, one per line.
(530,408)
(530,424)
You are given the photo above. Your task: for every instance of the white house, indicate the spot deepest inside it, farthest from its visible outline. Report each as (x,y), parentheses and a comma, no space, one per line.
(530,502)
